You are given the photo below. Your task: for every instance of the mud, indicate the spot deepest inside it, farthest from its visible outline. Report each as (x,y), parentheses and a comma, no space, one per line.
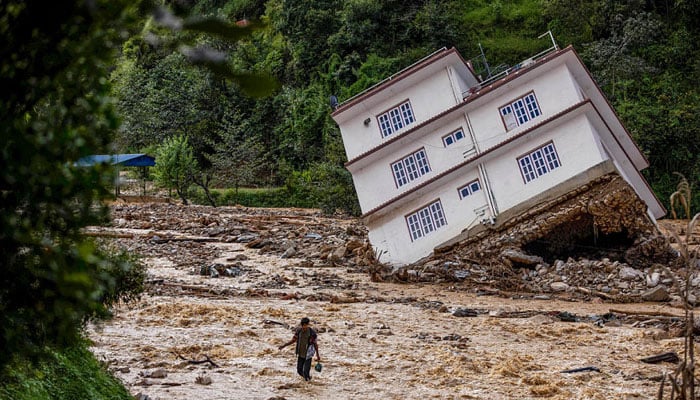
(377,339)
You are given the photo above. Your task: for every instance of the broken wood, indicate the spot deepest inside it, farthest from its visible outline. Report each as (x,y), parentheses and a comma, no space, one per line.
(206,360)
(109,234)
(671,357)
(595,293)
(643,313)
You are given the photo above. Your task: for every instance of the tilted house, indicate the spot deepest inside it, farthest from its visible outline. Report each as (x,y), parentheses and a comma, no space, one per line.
(433,151)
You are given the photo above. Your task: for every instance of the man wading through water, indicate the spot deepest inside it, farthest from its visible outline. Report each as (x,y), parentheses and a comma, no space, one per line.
(305,338)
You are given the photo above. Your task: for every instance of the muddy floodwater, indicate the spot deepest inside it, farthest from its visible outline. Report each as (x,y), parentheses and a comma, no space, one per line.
(195,336)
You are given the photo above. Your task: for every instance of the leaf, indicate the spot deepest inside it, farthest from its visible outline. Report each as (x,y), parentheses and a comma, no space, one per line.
(219,27)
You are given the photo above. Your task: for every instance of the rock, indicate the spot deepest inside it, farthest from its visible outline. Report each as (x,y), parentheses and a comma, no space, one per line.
(464,312)
(559,286)
(629,274)
(203,380)
(141,396)
(519,257)
(338,253)
(246,238)
(653,279)
(157,373)
(659,293)
(290,252)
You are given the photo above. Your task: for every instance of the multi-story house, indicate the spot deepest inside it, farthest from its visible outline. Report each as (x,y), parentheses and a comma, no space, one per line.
(433,150)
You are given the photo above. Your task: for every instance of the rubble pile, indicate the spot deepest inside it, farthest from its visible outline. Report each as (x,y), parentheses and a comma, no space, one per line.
(637,264)
(496,259)
(290,233)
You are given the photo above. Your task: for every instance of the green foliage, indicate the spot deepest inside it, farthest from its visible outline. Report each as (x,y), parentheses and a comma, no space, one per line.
(54,108)
(66,374)
(248,197)
(127,272)
(642,53)
(325,186)
(175,165)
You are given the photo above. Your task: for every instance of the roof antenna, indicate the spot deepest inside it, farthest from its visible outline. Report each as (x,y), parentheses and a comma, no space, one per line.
(334,102)
(554,44)
(486,64)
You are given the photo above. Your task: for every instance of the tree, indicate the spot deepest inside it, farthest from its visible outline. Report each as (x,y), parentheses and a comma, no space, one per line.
(176,166)
(54,109)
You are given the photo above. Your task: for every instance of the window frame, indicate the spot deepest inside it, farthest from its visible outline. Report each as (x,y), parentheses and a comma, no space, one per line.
(412,167)
(468,186)
(453,135)
(521,110)
(425,220)
(396,118)
(532,168)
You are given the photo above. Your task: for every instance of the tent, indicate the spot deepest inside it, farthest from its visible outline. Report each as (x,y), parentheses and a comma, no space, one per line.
(119,160)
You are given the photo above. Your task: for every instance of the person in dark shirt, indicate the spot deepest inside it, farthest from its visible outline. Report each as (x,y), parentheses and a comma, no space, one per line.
(307,345)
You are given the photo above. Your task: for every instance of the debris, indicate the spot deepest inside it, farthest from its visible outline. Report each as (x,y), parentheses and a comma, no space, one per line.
(271,322)
(203,380)
(464,312)
(566,316)
(671,357)
(583,369)
(206,360)
(659,293)
(155,374)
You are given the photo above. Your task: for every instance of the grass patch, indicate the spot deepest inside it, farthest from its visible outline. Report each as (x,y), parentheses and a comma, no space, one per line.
(71,373)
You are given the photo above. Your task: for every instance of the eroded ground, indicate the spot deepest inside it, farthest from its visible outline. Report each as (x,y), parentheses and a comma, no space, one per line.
(377,340)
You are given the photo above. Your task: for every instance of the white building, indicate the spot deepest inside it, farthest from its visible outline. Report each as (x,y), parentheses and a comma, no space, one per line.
(433,151)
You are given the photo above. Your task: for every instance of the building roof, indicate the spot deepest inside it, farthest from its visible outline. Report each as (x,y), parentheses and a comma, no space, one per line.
(126,160)
(401,75)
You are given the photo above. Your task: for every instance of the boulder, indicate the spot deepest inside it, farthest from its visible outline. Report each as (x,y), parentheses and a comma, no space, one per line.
(659,293)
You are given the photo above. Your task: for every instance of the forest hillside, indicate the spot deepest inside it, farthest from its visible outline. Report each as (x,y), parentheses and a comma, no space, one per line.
(641,52)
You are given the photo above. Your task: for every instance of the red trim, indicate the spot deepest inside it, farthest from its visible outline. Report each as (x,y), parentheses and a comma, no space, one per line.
(479,93)
(393,80)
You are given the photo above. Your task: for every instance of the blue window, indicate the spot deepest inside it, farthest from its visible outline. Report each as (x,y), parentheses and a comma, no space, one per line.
(410,168)
(469,189)
(539,162)
(520,111)
(396,119)
(426,220)
(453,137)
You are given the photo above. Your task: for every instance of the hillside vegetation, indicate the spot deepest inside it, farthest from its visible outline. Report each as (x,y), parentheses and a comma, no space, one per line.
(642,54)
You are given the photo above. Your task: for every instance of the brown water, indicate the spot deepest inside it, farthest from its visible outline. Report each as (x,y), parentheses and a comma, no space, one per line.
(377,340)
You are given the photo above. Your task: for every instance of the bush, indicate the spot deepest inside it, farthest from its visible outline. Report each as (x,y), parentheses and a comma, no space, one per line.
(71,373)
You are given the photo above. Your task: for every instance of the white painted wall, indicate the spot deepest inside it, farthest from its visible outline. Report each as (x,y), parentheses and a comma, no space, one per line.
(428,98)
(576,137)
(375,181)
(576,147)
(555,91)
(389,233)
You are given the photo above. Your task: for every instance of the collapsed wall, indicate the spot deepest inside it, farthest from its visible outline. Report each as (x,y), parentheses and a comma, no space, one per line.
(604,223)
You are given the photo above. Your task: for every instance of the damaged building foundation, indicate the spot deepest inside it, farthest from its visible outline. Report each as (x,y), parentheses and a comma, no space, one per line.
(595,239)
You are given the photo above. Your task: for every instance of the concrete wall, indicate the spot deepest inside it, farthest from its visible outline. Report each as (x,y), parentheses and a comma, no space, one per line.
(374,181)
(555,91)
(577,148)
(428,98)
(390,234)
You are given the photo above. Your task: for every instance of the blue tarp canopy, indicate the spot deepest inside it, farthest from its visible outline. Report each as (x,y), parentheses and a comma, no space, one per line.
(126,160)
